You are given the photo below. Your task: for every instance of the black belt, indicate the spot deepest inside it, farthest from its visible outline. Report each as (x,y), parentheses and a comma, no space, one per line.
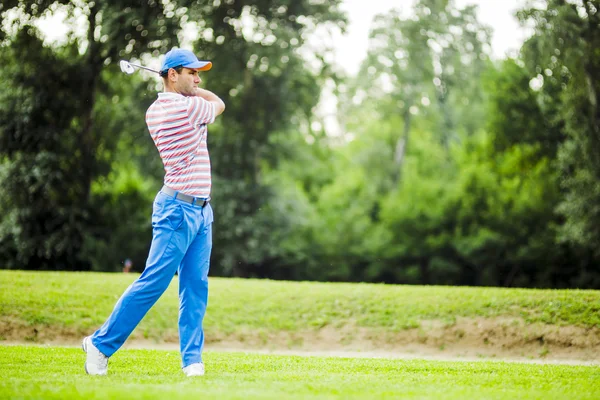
(195,201)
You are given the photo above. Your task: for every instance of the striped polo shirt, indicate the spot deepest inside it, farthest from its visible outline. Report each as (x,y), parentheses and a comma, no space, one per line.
(178,127)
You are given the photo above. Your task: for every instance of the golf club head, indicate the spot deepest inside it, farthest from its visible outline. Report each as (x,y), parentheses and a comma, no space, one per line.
(126,67)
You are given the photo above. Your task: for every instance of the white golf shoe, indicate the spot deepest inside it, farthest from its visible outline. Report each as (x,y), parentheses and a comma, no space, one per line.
(196,369)
(96,363)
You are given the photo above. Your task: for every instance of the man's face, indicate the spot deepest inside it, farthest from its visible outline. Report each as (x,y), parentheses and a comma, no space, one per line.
(187,82)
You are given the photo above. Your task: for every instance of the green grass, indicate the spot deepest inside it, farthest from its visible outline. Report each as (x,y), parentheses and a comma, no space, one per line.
(75,303)
(57,373)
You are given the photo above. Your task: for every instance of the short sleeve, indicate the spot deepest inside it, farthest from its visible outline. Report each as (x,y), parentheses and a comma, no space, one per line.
(200,111)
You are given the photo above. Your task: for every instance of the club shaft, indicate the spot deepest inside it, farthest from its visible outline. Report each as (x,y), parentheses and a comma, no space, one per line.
(142,67)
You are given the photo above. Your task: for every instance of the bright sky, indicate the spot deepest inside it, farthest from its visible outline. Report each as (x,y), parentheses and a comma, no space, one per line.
(499,14)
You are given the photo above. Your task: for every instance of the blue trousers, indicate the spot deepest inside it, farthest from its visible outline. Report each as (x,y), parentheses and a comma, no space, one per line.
(181,242)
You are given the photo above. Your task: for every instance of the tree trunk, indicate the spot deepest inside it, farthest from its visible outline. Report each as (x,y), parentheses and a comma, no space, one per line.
(511,275)
(594,116)
(424,271)
(401,146)
(87,141)
(448,126)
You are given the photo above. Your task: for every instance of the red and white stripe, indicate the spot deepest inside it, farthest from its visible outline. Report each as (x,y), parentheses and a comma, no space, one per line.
(178,126)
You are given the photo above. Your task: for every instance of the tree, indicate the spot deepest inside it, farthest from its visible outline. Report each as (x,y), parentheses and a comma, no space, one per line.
(516,114)
(53,149)
(563,55)
(40,174)
(422,76)
(430,63)
(267,85)
(270,91)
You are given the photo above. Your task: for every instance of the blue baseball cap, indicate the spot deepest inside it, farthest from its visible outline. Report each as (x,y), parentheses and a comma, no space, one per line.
(183,58)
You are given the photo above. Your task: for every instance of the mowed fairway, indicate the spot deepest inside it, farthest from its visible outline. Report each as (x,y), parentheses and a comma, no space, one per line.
(38,308)
(30,372)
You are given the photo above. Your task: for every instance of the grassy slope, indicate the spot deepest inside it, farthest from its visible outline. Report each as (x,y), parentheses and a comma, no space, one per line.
(76,303)
(57,373)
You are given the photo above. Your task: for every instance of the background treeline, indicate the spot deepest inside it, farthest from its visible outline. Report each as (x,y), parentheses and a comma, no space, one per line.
(446,167)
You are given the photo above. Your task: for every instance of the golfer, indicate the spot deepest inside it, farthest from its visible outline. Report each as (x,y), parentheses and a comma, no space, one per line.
(181,218)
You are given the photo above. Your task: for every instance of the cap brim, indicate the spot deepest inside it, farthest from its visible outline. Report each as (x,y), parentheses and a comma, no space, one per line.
(200,65)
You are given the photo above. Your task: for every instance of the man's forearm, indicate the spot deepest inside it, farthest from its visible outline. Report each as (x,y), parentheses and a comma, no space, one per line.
(207,95)
(213,98)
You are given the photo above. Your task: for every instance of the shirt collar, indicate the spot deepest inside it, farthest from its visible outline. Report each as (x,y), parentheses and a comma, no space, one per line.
(167,95)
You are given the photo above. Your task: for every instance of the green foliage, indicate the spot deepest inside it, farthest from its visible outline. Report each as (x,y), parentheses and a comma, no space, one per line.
(142,374)
(42,225)
(563,52)
(267,86)
(447,169)
(122,196)
(53,143)
(430,63)
(481,211)
(449,232)
(580,206)
(489,220)
(389,209)
(296,183)
(122,229)
(505,207)
(116,28)
(516,115)
(269,91)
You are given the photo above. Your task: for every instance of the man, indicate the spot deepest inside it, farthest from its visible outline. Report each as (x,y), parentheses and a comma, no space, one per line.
(181,218)
(127,265)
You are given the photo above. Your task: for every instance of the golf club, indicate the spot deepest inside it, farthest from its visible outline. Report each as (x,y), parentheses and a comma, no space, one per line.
(129,68)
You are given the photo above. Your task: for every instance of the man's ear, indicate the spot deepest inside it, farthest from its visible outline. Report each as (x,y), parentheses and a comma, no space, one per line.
(173,75)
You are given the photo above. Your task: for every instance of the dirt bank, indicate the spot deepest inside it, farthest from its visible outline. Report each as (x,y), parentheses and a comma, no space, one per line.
(467,339)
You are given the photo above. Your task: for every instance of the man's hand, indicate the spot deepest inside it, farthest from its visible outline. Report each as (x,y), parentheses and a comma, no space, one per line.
(213,98)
